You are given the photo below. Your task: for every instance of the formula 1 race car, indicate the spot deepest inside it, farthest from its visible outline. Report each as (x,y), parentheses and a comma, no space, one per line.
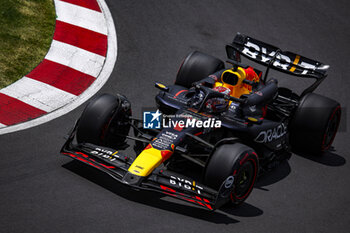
(233,123)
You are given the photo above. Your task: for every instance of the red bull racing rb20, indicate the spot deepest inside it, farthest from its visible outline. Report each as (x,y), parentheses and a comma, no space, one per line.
(228,122)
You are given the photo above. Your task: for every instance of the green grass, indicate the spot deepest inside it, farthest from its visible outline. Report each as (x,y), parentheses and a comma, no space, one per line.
(26,30)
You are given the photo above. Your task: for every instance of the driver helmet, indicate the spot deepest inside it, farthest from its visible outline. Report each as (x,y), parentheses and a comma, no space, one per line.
(218,104)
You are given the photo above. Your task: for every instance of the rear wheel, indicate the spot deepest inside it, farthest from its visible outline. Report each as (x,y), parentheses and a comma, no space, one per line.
(104,121)
(197,66)
(314,124)
(238,160)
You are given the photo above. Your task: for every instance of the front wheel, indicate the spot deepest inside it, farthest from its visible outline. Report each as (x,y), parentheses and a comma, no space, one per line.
(105,121)
(238,160)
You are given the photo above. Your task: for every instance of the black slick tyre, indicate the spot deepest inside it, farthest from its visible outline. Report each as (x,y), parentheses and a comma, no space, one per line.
(100,119)
(236,160)
(314,124)
(197,66)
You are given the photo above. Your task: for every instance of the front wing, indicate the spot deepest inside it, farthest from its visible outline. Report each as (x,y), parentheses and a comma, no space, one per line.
(160,180)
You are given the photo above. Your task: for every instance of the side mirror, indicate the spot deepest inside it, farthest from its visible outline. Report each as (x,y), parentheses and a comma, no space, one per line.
(233,54)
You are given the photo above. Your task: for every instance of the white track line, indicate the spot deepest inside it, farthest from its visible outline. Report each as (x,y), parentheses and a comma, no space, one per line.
(107,69)
(2,125)
(81,17)
(76,58)
(38,94)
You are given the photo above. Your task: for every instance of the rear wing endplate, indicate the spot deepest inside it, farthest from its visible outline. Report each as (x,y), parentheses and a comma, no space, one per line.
(275,58)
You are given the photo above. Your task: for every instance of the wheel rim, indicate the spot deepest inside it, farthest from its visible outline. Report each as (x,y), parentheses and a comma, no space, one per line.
(331,129)
(244,180)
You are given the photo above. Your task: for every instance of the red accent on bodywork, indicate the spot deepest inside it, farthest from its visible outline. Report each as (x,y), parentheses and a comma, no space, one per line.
(251,76)
(208,206)
(84,160)
(198,198)
(206,200)
(172,192)
(167,189)
(166,154)
(178,93)
(178,128)
(71,155)
(86,156)
(197,134)
(88,162)
(106,166)
(81,159)
(82,154)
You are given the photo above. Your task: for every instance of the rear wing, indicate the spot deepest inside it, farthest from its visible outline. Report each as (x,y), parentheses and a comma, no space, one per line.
(275,58)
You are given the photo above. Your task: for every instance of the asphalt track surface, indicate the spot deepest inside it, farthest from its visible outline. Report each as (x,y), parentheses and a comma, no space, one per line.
(41,191)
